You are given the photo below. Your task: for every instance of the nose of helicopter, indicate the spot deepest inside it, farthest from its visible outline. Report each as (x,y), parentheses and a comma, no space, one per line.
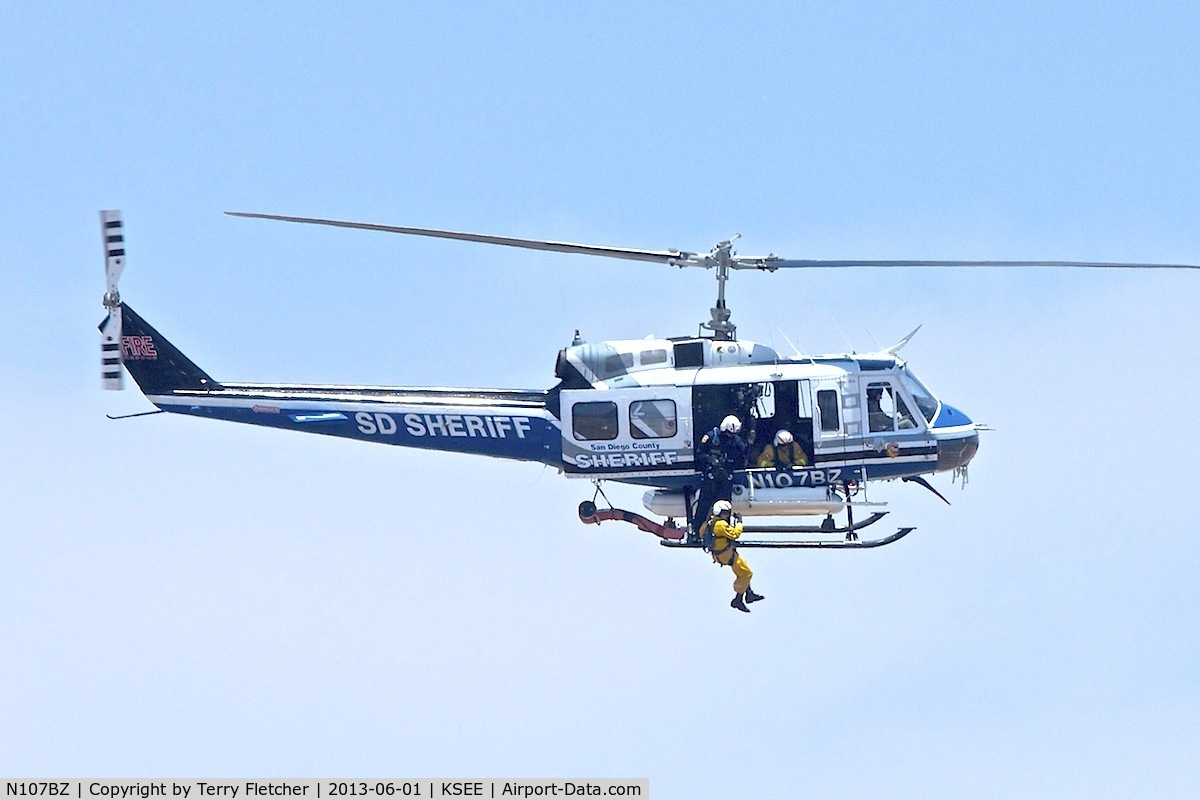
(957,438)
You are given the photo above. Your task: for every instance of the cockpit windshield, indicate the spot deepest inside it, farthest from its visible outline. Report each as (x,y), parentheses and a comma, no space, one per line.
(925,401)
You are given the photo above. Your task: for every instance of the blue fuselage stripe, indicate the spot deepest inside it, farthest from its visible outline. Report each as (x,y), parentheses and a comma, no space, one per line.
(526,437)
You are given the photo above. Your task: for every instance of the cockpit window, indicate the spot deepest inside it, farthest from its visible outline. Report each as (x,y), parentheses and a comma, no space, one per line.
(878,418)
(886,409)
(904,418)
(926,402)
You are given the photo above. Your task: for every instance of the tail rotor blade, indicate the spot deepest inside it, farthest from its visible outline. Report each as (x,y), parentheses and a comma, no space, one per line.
(110,329)
(110,351)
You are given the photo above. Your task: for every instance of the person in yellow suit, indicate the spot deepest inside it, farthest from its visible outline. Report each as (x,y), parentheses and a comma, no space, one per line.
(724,551)
(784,453)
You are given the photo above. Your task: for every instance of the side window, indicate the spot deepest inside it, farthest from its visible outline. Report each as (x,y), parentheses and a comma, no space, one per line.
(689,354)
(827,408)
(652,419)
(654,357)
(764,406)
(594,421)
(805,409)
(618,363)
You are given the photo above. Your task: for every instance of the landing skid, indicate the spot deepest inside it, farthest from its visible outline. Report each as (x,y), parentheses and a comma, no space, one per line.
(815,544)
(671,535)
(826,527)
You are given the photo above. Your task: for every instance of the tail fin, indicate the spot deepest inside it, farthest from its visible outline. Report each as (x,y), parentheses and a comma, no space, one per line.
(156,364)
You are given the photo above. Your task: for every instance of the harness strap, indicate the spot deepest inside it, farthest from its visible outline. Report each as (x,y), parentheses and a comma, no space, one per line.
(730,548)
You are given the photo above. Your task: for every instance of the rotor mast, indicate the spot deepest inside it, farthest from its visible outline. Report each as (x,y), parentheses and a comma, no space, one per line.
(722,259)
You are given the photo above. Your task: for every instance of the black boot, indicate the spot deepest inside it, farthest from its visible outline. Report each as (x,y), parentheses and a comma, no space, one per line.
(738,604)
(751,597)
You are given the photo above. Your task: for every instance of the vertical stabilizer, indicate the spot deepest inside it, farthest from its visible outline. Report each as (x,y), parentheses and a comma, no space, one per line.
(156,365)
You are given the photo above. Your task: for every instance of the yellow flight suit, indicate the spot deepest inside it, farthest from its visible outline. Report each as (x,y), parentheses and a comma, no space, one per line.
(724,551)
(782,457)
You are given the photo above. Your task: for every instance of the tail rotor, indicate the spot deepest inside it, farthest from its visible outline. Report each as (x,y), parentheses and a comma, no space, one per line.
(110,328)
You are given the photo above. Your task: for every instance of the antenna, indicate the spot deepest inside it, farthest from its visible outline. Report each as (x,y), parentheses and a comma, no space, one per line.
(873,339)
(795,350)
(846,339)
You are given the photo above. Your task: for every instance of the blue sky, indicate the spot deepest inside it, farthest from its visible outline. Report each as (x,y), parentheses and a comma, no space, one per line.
(185,598)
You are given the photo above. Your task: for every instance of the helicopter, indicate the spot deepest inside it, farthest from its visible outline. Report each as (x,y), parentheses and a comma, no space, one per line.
(633,411)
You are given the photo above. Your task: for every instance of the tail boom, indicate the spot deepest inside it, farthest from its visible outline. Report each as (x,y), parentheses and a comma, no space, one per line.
(515,424)
(502,424)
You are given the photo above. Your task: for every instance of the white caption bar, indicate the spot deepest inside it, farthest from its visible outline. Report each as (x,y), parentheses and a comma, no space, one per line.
(312,789)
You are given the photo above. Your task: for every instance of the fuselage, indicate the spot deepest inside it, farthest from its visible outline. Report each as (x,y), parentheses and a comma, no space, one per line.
(856,417)
(630,411)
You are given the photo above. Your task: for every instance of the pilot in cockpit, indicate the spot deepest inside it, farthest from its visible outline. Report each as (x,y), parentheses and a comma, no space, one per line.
(877,418)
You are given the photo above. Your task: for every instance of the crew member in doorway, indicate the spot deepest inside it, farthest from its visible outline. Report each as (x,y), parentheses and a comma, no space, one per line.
(784,453)
(724,551)
(721,451)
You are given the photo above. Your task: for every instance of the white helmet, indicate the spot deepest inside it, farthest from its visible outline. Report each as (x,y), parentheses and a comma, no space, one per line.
(783,438)
(721,506)
(731,424)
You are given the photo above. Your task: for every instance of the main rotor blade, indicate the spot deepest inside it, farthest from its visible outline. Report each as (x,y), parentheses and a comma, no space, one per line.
(658,256)
(771,263)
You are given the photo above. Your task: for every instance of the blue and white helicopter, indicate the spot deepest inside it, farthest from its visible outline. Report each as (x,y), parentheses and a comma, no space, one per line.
(631,411)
